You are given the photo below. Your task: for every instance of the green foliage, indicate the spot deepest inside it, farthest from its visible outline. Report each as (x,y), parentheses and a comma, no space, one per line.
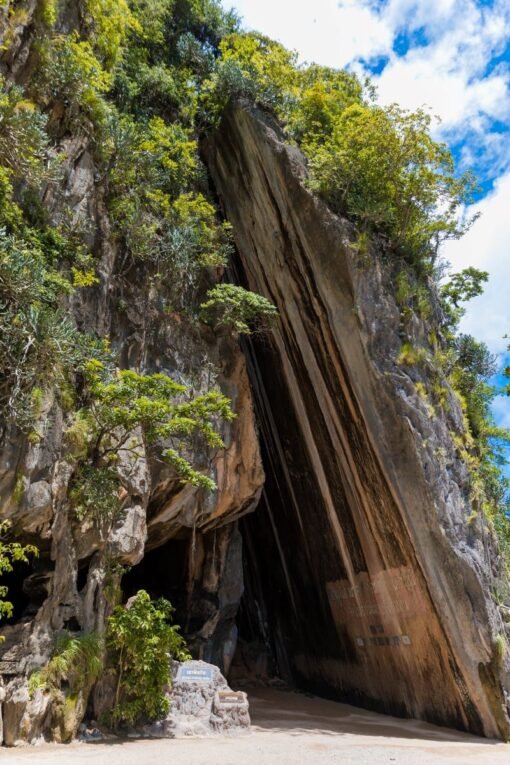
(126,411)
(77,661)
(151,166)
(79,434)
(163,411)
(460,288)
(143,643)
(483,449)
(12,19)
(95,493)
(107,23)
(71,75)
(195,236)
(10,553)
(381,167)
(500,648)
(19,488)
(38,343)
(324,94)
(11,216)
(154,18)
(410,355)
(469,366)
(255,67)
(170,49)
(48,12)
(237,308)
(23,140)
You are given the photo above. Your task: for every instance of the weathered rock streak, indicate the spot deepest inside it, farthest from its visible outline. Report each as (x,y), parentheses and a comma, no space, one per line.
(378,589)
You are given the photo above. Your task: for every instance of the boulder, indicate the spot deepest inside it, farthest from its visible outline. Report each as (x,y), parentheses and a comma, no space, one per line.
(201,704)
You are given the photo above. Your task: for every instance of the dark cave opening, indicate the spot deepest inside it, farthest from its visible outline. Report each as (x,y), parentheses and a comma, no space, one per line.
(27,588)
(163,573)
(285,620)
(201,575)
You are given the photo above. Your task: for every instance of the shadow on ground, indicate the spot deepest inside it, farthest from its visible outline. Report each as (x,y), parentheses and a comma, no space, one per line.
(295,712)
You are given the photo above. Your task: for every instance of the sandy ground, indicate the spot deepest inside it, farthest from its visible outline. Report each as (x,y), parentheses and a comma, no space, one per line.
(288,729)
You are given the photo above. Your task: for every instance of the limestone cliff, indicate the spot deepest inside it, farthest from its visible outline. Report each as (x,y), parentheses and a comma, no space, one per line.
(79,560)
(379,588)
(340,545)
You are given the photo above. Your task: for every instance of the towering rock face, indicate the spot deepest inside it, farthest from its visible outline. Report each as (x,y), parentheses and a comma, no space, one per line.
(70,584)
(367,574)
(379,588)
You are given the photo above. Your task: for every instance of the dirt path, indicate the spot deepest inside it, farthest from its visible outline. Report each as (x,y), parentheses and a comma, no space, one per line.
(289,729)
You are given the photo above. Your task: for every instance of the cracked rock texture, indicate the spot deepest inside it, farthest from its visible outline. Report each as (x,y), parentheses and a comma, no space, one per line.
(66,589)
(363,574)
(202,707)
(380,590)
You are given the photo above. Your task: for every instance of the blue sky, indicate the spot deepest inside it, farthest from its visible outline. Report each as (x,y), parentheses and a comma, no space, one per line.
(450,55)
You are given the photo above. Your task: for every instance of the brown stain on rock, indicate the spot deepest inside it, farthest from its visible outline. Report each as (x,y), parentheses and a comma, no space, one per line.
(368,588)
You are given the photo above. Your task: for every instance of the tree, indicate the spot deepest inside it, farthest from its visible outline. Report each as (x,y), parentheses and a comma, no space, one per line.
(461,287)
(237,308)
(143,643)
(160,407)
(381,167)
(121,407)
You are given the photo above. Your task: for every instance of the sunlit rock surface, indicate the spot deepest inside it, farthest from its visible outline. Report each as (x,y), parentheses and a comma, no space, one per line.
(378,589)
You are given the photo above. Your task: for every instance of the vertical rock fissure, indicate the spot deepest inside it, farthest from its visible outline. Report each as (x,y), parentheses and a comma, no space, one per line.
(347,519)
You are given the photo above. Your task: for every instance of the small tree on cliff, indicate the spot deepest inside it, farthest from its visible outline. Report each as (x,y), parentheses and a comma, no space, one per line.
(239,309)
(158,408)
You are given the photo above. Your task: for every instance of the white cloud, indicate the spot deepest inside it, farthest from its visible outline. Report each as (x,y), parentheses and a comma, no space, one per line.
(487,246)
(447,70)
(320,31)
(501,411)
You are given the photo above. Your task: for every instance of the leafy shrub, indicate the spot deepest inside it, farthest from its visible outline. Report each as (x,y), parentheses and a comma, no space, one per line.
(170,49)
(324,94)
(107,23)
(382,168)
(71,75)
(410,355)
(23,140)
(48,12)
(151,165)
(143,642)
(203,241)
(156,90)
(95,493)
(11,216)
(160,221)
(237,308)
(253,66)
(37,341)
(10,553)
(77,661)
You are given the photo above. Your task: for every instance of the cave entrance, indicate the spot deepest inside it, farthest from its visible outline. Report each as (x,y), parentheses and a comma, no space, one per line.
(201,575)
(163,572)
(27,587)
(286,622)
